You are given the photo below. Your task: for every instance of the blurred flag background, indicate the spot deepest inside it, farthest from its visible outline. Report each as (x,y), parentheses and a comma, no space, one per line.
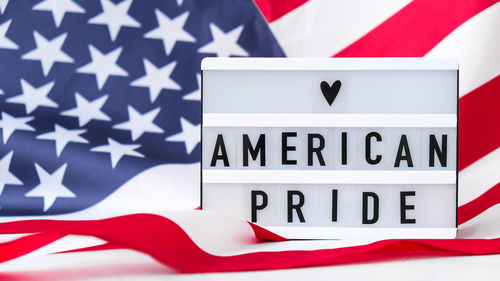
(100,108)
(98,92)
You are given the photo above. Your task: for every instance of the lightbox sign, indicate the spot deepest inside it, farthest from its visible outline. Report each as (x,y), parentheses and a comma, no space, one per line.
(332,148)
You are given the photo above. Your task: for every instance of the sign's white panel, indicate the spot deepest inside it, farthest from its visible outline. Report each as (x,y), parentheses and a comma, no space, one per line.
(388,91)
(332,148)
(336,205)
(341,148)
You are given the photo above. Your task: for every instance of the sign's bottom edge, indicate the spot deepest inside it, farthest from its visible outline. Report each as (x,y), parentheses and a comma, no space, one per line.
(362,232)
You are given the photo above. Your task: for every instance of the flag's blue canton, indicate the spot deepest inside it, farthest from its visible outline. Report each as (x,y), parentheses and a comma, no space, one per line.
(90,100)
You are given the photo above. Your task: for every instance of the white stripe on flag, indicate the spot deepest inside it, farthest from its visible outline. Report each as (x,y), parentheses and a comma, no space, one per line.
(476,45)
(479,177)
(9,237)
(483,226)
(321,28)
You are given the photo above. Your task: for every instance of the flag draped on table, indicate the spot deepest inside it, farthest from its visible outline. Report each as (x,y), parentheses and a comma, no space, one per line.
(100,117)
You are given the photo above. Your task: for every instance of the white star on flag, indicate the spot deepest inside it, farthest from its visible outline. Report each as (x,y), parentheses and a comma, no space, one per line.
(117,150)
(50,187)
(190,135)
(33,97)
(3,5)
(224,44)
(115,16)
(170,30)
(10,124)
(86,110)
(139,124)
(156,79)
(59,8)
(6,177)
(63,136)
(48,52)
(196,94)
(6,43)
(103,65)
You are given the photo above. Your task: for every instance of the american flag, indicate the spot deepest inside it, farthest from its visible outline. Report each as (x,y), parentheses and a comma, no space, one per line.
(100,117)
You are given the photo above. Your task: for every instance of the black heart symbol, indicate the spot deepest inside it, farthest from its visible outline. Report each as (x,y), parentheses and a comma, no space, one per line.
(330,93)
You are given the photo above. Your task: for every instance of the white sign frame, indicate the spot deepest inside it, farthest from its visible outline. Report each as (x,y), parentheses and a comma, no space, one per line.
(340,120)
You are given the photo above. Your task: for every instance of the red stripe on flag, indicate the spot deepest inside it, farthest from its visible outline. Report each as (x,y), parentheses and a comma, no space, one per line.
(165,241)
(275,9)
(415,29)
(479,125)
(265,235)
(27,244)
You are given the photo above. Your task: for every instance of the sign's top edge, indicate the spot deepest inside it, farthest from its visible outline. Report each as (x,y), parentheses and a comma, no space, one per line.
(328,64)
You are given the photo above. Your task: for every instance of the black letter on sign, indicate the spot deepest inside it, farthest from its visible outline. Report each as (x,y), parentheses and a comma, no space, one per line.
(285,148)
(317,150)
(256,207)
(297,207)
(403,144)
(219,145)
(441,153)
(344,148)
(405,207)
(368,148)
(365,208)
(334,204)
(247,147)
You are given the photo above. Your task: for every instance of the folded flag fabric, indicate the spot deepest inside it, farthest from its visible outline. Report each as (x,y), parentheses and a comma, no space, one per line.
(172,239)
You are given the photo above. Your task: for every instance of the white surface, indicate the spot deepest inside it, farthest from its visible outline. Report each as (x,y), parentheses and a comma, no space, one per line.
(330,120)
(328,64)
(455,268)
